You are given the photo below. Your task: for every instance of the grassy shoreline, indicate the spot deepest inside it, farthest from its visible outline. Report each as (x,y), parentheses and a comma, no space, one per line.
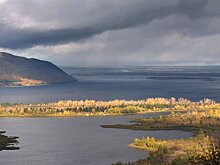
(83,115)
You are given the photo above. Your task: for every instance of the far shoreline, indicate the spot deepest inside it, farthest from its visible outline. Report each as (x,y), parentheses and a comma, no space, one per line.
(41,85)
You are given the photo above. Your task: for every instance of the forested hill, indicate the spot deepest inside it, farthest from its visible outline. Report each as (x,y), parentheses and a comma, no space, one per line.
(21,71)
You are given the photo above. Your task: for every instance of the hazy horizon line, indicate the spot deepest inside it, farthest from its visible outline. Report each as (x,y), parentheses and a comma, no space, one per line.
(137,66)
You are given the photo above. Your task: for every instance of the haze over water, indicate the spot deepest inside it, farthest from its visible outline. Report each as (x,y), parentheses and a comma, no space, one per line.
(194,83)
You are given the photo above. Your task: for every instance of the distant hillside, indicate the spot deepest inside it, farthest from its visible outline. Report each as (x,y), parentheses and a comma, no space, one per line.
(20,71)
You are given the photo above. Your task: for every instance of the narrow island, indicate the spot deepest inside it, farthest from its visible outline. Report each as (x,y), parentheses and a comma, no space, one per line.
(70,108)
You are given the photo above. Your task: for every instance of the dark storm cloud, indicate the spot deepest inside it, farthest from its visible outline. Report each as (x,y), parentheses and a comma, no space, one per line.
(14,39)
(91,19)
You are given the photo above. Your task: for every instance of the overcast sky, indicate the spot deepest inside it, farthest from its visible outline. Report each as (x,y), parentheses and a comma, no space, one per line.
(112,32)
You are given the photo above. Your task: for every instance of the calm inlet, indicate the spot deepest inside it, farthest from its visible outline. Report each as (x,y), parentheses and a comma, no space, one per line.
(78,140)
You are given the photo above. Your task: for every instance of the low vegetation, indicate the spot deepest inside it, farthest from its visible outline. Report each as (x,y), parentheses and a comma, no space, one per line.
(202,148)
(188,121)
(21,82)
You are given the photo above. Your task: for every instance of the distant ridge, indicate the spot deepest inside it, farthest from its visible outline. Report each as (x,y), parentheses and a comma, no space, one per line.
(21,71)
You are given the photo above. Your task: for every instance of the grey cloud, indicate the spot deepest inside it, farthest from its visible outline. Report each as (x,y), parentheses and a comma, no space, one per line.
(58,22)
(133,46)
(30,37)
(113,32)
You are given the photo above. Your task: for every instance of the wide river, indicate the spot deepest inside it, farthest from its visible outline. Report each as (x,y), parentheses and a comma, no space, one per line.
(194,83)
(75,141)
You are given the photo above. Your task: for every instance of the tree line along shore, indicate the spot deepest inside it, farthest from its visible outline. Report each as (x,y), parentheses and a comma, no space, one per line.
(115,107)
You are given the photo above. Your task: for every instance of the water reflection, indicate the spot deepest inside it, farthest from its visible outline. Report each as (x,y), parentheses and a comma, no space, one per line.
(8,142)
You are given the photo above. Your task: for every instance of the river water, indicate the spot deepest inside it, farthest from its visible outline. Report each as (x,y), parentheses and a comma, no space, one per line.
(194,83)
(75,141)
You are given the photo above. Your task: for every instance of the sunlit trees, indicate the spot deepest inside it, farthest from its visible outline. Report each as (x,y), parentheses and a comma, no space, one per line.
(60,104)
(93,107)
(21,111)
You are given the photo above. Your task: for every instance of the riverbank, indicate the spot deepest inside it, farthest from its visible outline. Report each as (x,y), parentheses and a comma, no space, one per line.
(202,148)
